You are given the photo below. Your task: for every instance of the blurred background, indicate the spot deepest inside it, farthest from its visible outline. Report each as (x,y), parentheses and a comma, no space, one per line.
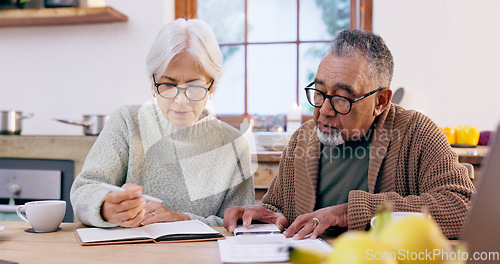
(445,52)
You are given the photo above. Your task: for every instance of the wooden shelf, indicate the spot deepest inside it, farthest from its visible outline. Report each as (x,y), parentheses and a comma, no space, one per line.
(59,16)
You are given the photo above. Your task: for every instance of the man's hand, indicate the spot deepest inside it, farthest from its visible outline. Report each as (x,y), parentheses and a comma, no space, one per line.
(157,213)
(252,212)
(318,221)
(125,208)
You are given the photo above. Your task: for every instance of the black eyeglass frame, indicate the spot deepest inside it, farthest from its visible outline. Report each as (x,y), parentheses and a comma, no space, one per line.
(157,85)
(351,101)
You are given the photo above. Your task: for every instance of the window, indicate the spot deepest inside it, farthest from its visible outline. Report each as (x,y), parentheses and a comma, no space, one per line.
(272,48)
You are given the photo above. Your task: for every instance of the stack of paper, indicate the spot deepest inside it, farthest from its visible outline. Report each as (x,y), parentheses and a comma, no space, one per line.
(263,243)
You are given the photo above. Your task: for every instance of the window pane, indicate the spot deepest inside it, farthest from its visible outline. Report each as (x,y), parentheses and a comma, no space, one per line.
(226,17)
(271,78)
(310,57)
(229,97)
(272,20)
(322,19)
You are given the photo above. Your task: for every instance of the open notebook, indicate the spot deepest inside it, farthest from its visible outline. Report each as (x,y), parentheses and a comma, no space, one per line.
(181,231)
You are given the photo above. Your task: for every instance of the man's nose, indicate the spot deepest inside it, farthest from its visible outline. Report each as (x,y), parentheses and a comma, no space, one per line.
(326,109)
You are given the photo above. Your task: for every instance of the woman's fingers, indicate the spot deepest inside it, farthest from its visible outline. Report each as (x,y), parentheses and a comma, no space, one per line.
(124,205)
(134,221)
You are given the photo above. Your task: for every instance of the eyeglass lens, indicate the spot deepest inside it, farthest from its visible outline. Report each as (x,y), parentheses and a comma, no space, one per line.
(340,104)
(194,93)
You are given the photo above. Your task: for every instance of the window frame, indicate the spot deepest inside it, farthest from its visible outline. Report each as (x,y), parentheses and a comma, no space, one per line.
(361,18)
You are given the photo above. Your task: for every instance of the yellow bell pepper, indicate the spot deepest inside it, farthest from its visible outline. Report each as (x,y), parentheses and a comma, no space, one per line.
(467,135)
(450,134)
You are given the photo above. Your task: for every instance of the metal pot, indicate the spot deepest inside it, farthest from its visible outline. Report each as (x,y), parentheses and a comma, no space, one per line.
(92,124)
(11,122)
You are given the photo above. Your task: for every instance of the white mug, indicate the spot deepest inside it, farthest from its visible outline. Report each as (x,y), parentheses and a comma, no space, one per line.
(43,216)
(395,216)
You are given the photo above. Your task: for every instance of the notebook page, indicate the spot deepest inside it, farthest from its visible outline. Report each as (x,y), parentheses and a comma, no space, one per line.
(180,227)
(88,235)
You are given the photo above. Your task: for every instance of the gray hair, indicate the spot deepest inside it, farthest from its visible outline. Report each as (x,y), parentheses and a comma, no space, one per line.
(192,36)
(370,46)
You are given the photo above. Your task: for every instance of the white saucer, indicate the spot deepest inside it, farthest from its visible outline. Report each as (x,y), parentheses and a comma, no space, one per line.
(2,228)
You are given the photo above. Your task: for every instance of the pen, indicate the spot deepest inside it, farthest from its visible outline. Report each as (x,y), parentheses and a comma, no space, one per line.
(114,188)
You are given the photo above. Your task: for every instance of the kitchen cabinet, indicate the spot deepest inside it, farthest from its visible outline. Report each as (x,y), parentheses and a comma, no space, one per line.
(59,16)
(268,165)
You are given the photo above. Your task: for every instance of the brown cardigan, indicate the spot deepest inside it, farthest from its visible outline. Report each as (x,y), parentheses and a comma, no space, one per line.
(411,165)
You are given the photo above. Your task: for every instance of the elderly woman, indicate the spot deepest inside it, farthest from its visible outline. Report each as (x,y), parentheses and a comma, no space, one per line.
(171,148)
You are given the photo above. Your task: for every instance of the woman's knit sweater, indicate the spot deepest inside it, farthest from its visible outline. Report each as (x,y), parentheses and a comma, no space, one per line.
(411,165)
(199,170)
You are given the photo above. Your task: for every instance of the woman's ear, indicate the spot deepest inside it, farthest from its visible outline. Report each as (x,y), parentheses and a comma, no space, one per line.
(383,101)
(153,89)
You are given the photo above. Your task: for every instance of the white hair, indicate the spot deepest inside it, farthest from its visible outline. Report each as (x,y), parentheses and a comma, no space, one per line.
(192,36)
(330,139)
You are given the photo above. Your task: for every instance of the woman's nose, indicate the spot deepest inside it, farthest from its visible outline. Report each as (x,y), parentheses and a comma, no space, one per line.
(181,98)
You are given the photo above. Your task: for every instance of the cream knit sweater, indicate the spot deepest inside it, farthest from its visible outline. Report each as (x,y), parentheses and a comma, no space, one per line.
(199,170)
(411,165)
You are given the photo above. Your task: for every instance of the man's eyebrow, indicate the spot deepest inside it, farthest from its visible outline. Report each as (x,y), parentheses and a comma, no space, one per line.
(342,86)
(318,81)
(345,87)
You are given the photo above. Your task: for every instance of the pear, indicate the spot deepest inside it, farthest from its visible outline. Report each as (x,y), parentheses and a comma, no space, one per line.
(415,240)
(359,247)
(306,256)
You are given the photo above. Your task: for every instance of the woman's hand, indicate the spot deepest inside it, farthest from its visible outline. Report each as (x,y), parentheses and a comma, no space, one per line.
(125,208)
(318,221)
(156,213)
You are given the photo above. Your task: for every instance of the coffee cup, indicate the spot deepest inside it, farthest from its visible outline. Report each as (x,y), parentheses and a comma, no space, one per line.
(395,216)
(43,216)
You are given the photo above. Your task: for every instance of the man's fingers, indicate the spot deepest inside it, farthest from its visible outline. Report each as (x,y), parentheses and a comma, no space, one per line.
(250,213)
(247,217)
(293,228)
(306,229)
(322,226)
(231,216)
(281,222)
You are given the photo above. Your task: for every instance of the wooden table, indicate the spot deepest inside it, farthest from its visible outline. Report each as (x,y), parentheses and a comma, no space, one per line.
(16,245)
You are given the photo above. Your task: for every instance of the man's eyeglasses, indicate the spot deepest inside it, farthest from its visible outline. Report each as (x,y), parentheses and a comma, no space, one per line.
(170,91)
(340,104)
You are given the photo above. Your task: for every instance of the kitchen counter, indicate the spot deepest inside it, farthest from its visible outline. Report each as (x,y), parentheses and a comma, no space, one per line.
(76,148)
(73,148)
(470,155)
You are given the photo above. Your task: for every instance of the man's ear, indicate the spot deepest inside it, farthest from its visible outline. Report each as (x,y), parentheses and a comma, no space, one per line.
(382,102)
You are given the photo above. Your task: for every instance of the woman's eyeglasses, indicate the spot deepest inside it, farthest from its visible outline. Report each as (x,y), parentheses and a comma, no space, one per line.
(170,91)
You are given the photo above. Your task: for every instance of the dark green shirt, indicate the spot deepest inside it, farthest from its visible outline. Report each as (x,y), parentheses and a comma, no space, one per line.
(342,168)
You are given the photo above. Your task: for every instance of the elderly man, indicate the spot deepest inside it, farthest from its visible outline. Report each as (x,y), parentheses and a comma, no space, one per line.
(359,151)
